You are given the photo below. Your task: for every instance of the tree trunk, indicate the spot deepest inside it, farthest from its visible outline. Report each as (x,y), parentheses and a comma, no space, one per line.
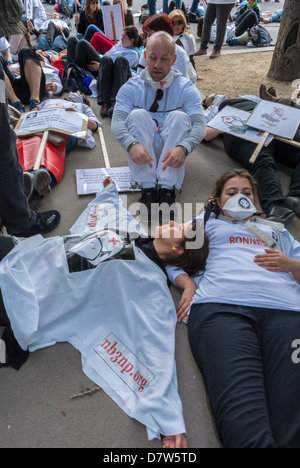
(285,65)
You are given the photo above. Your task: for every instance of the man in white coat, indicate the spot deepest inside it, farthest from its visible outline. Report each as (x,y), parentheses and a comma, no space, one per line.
(158,119)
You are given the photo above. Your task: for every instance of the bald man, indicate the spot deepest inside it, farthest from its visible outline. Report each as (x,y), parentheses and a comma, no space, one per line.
(158,120)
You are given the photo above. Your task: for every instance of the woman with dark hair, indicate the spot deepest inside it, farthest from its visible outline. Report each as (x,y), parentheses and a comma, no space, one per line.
(113,68)
(90,20)
(162,22)
(115,309)
(244,322)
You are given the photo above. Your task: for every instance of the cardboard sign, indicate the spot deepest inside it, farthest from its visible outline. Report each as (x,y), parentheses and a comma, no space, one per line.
(89,181)
(236,122)
(275,118)
(55,119)
(113,20)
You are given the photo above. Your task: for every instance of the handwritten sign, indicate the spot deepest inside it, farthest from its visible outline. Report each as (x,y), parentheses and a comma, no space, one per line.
(89,181)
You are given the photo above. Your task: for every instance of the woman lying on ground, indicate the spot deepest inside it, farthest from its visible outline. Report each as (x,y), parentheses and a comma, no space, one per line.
(113,68)
(79,289)
(244,323)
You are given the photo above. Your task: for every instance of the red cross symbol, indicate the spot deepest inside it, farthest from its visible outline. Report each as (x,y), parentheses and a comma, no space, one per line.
(162,83)
(114,241)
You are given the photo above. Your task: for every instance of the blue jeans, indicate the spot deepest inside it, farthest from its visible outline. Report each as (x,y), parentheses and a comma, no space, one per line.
(178,5)
(91,30)
(194,8)
(277,15)
(71,4)
(152,7)
(58,44)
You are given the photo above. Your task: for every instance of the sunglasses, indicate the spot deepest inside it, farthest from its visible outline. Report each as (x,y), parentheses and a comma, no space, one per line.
(158,97)
(178,22)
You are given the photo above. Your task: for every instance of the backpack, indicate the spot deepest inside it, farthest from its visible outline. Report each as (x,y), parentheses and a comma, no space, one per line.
(259,36)
(75,78)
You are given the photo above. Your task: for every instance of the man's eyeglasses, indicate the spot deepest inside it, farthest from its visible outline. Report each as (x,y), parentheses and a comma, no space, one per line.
(158,97)
(177,23)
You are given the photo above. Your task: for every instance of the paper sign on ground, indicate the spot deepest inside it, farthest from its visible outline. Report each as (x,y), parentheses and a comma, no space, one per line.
(55,119)
(89,181)
(235,122)
(278,119)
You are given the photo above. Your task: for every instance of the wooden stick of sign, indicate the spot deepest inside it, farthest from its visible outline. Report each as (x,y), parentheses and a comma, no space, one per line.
(259,148)
(113,27)
(262,142)
(103,147)
(290,142)
(40,154)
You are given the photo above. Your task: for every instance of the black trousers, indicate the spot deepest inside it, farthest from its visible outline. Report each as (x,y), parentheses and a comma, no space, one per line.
(82,53)
(245,21)
(14,210)
(264,169)
(112,75)
(251,369)
(15,355)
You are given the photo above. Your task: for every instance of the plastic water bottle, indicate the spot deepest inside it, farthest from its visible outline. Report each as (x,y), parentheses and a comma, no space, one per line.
(232,41)
(86,82)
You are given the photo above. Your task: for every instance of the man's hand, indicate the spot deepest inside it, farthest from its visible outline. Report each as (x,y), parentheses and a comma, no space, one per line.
(51,87)
(139,155)
(174,158)
(93,66)
(30,25)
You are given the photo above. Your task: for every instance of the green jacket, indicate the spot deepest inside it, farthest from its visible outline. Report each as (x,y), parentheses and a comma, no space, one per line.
(10,16)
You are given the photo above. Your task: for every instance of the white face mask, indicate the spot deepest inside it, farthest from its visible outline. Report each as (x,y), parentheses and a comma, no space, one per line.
(239,207)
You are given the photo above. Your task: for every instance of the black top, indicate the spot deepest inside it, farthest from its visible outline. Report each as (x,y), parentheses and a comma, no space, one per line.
(84,22)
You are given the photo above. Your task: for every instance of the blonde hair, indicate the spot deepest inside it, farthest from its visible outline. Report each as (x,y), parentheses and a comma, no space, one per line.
(185,27)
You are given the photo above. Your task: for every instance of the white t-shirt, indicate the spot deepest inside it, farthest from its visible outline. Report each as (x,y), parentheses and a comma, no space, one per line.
(232,277)
(188,42)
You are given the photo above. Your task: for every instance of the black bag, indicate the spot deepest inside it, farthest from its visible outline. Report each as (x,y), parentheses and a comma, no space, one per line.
(75,78)
(259,36)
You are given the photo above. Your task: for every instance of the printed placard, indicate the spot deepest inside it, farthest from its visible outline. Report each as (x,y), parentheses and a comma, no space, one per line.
(125,364)
(56,119)
(275,118)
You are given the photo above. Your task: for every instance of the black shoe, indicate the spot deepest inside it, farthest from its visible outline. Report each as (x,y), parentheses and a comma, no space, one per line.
(166,198)
(15,356)
(293,203)
(280,214)
(66,9)
(46,222)
(148,203)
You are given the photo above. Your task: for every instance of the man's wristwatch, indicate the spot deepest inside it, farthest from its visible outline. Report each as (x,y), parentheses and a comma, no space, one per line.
(185,150)
(131,144)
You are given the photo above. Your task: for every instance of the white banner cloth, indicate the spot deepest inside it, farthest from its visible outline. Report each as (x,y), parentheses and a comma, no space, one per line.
(118,313)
